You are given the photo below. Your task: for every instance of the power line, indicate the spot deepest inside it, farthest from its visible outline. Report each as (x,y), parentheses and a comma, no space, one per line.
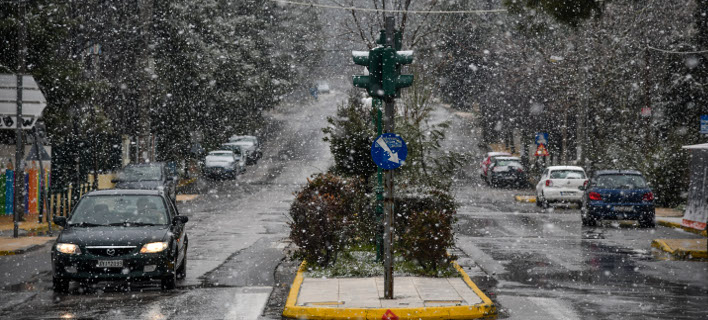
(325,6)
(678,52)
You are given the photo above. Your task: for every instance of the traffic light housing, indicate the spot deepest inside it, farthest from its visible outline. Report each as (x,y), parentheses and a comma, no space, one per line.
(372,61)
(393,80)
(384,64)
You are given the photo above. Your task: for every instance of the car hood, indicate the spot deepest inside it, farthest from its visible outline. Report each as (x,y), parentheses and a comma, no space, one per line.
(113,236)
(147,184)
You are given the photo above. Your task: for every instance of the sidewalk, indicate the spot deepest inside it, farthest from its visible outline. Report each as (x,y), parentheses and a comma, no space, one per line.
(29,232)
(12,246)
(29,227)
(362,298)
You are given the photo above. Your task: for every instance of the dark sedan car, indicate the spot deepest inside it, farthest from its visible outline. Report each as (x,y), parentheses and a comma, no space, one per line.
(506,171)
(133,235)
(618,195)
(149,176)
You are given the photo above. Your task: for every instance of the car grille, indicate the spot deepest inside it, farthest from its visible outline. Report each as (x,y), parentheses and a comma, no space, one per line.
(110,252)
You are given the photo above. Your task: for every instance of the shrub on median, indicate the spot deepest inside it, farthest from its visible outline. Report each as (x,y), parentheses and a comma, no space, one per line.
(324,217)
(424,228)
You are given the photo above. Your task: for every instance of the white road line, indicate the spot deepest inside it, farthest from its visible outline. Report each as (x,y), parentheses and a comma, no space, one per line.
(248,303)
(555,308)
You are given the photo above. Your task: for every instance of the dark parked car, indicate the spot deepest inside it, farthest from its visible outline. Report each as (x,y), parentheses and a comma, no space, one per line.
(618,195)
(134,235)
(506,171)
(149,176)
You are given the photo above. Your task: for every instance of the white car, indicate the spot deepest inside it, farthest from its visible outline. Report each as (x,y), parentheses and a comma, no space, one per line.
(222,163)
(251,147)
(560,184)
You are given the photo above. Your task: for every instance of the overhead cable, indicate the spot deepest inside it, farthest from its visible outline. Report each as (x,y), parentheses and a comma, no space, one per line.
(325,6)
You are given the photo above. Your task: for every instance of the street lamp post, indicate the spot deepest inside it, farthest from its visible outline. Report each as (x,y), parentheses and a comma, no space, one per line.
(19,176)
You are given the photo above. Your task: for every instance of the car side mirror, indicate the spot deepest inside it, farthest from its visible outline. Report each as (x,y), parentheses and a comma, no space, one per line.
(60,221)
(180,219)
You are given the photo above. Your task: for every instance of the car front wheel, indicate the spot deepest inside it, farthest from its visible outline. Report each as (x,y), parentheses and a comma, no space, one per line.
(60,285)
(169,281)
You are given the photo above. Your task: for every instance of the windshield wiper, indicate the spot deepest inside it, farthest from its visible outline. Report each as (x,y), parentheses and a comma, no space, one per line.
(135,224)
(86,224)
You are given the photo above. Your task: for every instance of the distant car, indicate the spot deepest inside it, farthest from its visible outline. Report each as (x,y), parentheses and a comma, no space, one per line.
(251,147)
(323,87)
(222,164)
(133,235)
(148,176)
(506,171)
(618,195)
(560,184)
(239,154)
(484,165)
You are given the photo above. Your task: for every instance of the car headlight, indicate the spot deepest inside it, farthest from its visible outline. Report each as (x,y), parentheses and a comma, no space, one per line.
(68,248)
(153,247)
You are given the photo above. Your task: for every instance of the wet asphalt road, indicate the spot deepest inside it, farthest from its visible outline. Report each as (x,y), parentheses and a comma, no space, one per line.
(542,264)
(536,264)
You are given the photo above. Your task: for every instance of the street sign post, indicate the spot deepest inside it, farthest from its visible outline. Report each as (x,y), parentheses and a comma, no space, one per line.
(541,138)
(384,82)
(389,151)
(33,102)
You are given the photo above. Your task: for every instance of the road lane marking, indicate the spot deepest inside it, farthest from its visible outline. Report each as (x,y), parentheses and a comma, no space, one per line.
(249,303)
(554,308)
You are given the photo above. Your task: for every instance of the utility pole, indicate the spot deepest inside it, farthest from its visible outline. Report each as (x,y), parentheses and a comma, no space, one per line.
(144,144)
(19,170)
(384,83)
(389,126)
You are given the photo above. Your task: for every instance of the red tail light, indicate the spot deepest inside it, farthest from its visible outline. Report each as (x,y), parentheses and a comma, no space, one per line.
(585,184)
(549,183)
(649,196)
(594,196)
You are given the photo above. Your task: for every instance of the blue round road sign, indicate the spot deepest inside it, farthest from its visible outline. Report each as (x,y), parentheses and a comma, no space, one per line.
(389,151)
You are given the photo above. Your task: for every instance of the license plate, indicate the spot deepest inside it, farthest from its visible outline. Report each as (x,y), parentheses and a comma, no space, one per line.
(567,193)
(624,208)
(110,264)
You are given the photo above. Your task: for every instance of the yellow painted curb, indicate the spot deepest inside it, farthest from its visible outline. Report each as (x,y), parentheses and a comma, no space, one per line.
(670,224)
(531,199)
(481,310)
(661,245)
(678,252)
(184,182)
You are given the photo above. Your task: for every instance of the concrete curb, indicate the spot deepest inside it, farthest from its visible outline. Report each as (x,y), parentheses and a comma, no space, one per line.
(670,224)
(678,252)
(531,199)
(21,250)
(484,309)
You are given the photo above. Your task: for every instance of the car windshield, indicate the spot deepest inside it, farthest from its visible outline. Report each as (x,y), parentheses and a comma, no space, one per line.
(508,163)
(140,173)
(620,181)
(109,210)
(221,154)
(233,148)
(567,174)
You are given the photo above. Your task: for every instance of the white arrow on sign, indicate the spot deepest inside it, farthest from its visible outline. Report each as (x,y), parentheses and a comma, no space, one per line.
(392,156)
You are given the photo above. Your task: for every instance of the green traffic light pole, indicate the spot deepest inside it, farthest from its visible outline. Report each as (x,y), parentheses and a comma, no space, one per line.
(388,176)
(383,84)
(378,121)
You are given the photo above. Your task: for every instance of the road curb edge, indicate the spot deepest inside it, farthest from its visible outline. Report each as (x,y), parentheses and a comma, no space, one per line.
(484,309)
